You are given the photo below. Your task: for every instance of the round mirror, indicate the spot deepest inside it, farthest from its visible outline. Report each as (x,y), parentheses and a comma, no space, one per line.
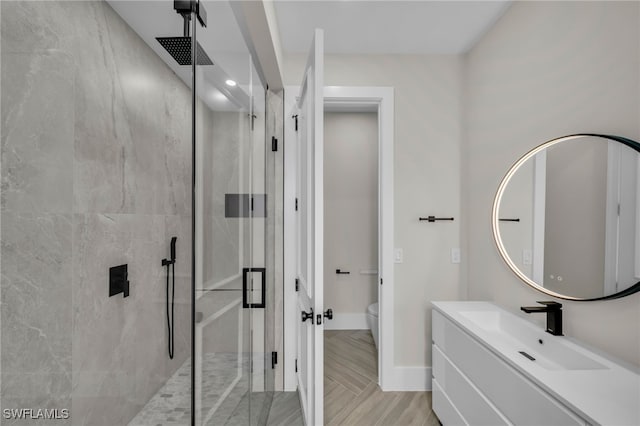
(566,217)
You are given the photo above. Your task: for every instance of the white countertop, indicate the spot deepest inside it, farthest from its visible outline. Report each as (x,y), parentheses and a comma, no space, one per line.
(606,396)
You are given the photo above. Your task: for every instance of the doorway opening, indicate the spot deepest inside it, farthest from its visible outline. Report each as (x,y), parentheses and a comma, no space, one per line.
(376,101)
(350,256)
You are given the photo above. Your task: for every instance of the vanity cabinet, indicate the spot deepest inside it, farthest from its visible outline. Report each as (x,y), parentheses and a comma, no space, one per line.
(473,386)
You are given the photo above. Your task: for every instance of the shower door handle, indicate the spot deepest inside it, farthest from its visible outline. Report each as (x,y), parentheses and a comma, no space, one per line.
(245,288)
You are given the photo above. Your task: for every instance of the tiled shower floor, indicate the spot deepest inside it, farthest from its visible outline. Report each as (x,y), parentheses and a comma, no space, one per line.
(224,398)
(171,405)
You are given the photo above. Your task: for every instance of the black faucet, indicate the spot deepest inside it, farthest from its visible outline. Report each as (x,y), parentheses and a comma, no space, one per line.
(554,315)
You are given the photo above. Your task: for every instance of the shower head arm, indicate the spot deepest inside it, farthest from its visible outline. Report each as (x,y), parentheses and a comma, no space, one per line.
(187,23)
(185,7)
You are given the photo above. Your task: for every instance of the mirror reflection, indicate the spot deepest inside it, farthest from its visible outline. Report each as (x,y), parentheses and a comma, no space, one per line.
(569,217)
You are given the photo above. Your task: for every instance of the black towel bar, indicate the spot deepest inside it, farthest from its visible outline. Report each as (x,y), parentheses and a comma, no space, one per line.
(433,218)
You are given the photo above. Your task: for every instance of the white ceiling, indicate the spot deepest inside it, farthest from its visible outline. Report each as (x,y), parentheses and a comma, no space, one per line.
(387,27)
(221,39)
(351,26)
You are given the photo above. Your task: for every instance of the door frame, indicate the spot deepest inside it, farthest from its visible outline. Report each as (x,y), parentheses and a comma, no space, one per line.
(382,99)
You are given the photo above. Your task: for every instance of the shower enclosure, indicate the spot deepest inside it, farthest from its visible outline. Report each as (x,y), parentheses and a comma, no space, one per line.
(110,149)
(233,376)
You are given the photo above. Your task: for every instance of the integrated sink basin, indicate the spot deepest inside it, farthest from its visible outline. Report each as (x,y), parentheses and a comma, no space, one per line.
(497,367)
(543,349)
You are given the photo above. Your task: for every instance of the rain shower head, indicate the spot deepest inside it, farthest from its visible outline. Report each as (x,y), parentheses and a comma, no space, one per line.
(180,49)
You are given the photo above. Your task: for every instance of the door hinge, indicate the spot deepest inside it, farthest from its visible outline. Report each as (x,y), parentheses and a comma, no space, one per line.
(296,204)
(274,359)
(295,117)
(274,143)
(380,281)
(296,365)
(297,284)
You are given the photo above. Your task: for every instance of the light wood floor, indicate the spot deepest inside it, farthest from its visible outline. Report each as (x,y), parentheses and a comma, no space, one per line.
(285,410)
(351,392)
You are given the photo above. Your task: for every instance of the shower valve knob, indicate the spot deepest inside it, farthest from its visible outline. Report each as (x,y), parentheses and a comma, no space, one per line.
(307,315)
(328,314)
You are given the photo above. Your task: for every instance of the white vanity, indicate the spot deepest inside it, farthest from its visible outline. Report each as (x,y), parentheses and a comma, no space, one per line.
(491,367)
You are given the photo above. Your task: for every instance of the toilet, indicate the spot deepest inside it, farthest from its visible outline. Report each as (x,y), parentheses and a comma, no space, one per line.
(372,320)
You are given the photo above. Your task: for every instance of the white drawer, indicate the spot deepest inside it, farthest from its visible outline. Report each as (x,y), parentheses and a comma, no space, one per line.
(475,409)
(444,409)
(519,400)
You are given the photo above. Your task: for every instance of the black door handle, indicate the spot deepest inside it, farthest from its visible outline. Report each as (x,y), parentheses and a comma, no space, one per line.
(338,271)
(245,287)
(328,314)
(307,315)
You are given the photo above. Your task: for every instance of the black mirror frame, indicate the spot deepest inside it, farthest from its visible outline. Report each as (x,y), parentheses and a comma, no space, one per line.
(496,206)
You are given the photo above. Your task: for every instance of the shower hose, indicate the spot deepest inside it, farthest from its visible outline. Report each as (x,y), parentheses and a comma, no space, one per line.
(170,324)
(171,270)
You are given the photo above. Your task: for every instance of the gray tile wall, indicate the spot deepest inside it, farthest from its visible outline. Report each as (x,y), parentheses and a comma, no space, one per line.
(95,172)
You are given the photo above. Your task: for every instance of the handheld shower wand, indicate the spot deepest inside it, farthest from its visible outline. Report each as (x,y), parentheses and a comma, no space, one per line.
(170,324)
(173,249)
(167,262)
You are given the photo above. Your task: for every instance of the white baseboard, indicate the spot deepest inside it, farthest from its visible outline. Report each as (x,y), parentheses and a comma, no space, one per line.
(409,379)
(347,322)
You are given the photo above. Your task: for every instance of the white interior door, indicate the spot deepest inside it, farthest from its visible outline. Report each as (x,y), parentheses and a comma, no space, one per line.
(309,244)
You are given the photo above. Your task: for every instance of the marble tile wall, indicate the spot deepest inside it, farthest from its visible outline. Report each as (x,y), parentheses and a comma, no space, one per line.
(95,172)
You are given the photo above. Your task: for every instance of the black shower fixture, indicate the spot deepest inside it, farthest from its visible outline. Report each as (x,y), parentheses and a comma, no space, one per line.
(185,7)
(119,280)
(171,264)
(180,47)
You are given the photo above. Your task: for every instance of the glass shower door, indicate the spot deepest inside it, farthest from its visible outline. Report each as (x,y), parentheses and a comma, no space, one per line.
(230,295)
(262,318)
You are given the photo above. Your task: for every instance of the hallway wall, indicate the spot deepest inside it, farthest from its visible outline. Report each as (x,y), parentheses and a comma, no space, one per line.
(428,131)
(96,172)
(350,215)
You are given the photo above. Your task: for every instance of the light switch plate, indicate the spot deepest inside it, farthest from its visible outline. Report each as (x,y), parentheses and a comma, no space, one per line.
(455,255)
(398,255)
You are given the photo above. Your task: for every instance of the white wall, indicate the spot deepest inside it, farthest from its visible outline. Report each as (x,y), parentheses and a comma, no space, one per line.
(427,179)
(548,69)
(350,215)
